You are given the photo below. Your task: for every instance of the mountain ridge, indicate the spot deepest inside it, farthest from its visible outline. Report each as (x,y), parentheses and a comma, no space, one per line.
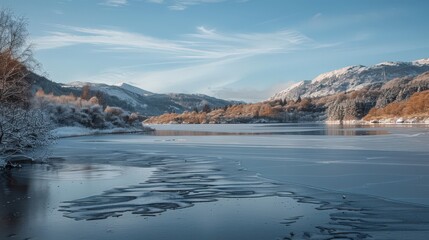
(351,78)
(129,97)
(380,99)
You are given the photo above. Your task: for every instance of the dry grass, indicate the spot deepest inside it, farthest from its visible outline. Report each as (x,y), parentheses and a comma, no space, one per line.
(237,113)
(416,106)
(241,111)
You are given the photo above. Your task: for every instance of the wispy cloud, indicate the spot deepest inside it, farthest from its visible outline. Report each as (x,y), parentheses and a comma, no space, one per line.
(324,22)
(115,3)
(57,12)
(204,61)
(183,4)
(215,78)
(205,43)
(108,39)
(193,78)
(179,5)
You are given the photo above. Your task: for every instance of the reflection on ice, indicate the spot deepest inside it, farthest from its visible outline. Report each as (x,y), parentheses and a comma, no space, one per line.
(182,182)
(277,131)
(177,183)
(225,182)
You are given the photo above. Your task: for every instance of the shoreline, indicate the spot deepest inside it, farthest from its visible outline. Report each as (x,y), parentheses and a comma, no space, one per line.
(388,121)
(328,122)
(67,132)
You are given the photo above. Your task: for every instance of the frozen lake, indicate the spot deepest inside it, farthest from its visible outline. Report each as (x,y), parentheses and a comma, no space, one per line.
(275,181)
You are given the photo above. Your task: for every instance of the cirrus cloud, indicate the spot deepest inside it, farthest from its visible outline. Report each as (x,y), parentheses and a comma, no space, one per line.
(114,3)
(205,61)
(179,5)
(204,44)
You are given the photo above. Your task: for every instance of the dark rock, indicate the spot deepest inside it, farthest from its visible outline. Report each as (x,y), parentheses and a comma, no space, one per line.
(19,159)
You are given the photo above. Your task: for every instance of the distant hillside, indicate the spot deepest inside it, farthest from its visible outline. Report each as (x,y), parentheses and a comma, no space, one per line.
(357,104)
(346,94)
(351,79)
(134,89)
(376,99)
(240,113)
(131,98)
(415,108)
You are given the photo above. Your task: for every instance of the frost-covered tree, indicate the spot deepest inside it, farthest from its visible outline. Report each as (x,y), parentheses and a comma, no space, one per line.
(68,110)
(21,128)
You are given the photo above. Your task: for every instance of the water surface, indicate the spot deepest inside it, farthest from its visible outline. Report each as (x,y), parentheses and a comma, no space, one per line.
(280,181)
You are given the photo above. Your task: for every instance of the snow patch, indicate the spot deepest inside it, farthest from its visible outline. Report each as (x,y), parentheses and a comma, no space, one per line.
(352,78)
(424,61)
(119,93)
(134,89)
(388,64)
(107,89)
(79,84)
(337,73)
(298,84)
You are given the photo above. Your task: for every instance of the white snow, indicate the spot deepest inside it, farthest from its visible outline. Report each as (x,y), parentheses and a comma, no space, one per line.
(119,93)
(79,84)
(285,92)
(132,88)
(298,84)
(116,91)
(388,64)
(352,78)
(337,73)
(424,61)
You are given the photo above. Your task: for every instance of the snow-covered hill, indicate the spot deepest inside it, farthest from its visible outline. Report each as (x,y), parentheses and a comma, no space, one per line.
(117,91)
(132,98)
(352,78)
(134,89)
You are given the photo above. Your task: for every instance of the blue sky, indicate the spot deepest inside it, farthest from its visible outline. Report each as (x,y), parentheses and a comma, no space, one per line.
(234,49)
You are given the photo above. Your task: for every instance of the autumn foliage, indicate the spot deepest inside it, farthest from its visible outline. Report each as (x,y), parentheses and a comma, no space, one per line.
(241,113)
(416,106)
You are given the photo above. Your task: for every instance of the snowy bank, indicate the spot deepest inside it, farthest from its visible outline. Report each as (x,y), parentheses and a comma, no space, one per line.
(383,121)
(63,132)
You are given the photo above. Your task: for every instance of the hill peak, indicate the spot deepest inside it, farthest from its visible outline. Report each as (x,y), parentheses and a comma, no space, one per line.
(352,78)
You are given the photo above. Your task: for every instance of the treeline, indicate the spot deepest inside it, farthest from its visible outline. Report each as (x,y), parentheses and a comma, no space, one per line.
(376,100)
(277,111)
(358,104)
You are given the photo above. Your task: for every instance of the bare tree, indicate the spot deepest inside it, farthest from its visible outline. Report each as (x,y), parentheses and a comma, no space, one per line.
(16,59)
(86,92)
(206,108)
(21,128)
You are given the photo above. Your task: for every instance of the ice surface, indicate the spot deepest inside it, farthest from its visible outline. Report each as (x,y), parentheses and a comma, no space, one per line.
(62,132)
(229,182)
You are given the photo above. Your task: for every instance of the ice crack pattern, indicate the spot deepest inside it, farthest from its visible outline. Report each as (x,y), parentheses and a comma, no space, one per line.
(183,181)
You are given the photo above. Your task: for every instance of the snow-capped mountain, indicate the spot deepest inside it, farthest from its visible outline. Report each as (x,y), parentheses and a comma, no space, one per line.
(132,98)
(112,90)
(352,78)
(134,89)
